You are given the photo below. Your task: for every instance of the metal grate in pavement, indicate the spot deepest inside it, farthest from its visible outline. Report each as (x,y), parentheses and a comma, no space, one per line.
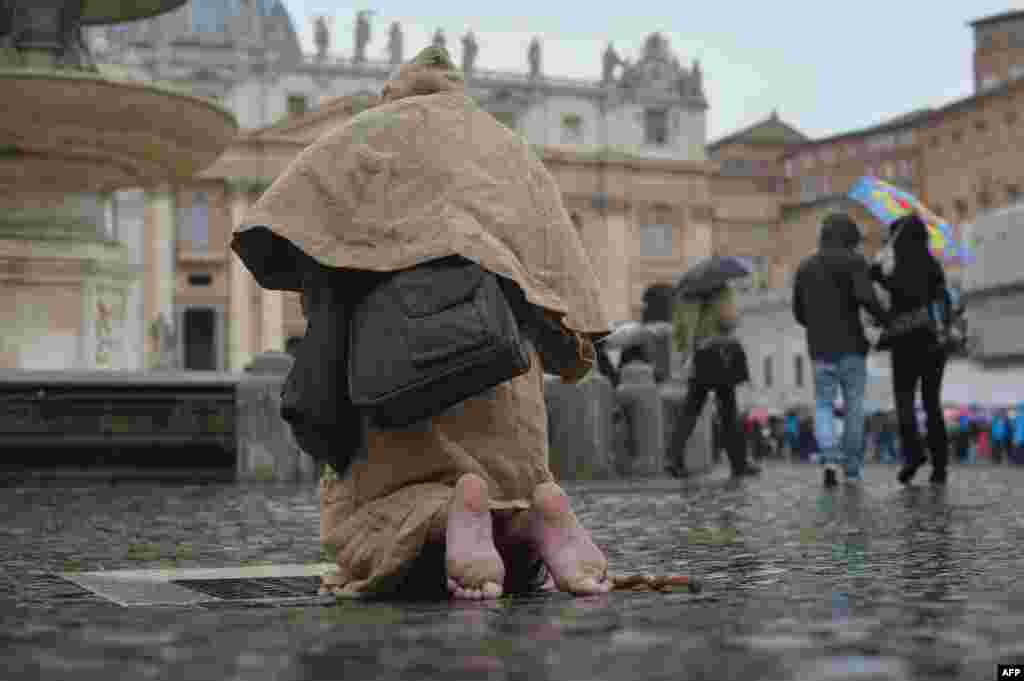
(256,588)
(272,585)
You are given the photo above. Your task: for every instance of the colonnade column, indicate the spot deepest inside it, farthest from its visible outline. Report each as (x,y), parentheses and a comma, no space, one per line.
(163,335)
(241,325)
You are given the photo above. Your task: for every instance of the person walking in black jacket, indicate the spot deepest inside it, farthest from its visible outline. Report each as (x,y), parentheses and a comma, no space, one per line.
(915,282)
(703,329)
(830,289)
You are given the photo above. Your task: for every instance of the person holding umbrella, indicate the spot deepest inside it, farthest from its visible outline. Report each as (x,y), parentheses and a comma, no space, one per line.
(703,321)
(915,280)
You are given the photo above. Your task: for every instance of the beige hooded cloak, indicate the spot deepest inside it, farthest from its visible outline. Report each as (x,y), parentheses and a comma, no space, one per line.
(423,175)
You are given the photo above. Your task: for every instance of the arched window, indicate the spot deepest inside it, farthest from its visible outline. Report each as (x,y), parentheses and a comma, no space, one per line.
(199,222)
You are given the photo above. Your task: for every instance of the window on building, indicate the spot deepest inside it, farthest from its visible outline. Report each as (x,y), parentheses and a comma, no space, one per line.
(798,370)
(1012,193)
(789,167)
(958,136)
(199,222)
(1010,117)
(766,367)
(935,142)
(297,105)
(656,127)
(572,129)
(655,240)
(981,125)
(92,208)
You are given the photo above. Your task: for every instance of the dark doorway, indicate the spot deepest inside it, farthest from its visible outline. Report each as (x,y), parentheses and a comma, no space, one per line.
(200,339)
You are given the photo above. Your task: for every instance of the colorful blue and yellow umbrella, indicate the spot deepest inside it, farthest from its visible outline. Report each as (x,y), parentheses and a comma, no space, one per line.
(889,203)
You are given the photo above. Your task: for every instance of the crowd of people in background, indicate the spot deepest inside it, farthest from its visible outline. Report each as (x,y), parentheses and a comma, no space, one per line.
(975,435)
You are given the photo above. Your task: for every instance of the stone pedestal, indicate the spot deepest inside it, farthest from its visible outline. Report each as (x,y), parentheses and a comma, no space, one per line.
(267,450)
(640,452)
(580,427)
(661,350)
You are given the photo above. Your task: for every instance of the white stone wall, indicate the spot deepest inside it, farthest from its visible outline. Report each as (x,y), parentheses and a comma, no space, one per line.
(553,111)
(626,129)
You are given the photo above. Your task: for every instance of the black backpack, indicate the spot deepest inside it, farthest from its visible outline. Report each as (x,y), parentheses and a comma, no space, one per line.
(429,337)
(720,361)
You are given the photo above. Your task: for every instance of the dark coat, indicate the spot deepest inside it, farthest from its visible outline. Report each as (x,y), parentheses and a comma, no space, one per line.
(315,397)
(830,288)
(916,281)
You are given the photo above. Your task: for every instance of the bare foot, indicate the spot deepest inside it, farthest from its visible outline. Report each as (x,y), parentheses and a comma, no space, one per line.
(572,558)
(474,567)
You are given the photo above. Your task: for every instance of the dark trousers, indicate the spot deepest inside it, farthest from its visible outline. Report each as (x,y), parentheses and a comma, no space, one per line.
(999,451)
(688,412)
(913,366)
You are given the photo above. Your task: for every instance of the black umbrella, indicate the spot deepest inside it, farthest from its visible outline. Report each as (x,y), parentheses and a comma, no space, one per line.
(275,262)
(712,274)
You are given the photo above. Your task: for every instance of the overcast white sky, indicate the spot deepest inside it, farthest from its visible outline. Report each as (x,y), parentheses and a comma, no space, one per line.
(826,66)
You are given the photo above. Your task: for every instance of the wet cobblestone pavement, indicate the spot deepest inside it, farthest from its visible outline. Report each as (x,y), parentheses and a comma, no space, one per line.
(800,583)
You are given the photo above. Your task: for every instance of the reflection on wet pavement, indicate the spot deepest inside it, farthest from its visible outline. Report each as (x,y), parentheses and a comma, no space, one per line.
(878,582)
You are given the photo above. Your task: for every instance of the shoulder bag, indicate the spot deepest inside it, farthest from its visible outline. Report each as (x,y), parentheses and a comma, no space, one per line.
(429,337)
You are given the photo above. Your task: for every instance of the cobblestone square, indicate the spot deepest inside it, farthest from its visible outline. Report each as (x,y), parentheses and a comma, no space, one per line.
(800,583)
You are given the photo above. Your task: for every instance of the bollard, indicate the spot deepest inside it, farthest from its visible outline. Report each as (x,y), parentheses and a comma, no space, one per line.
(660,349)
(579,427)
(641,443)
(267,450)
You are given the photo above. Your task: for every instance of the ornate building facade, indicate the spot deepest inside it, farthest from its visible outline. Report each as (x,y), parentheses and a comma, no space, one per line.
(248,56)
(628,150)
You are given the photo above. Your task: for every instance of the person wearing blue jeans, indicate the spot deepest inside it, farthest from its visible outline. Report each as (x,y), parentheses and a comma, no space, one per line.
(845,375)
(830,289)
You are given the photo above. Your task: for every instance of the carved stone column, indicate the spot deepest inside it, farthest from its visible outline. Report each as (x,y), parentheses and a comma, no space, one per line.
(161,257)
(271,321)
(241,325)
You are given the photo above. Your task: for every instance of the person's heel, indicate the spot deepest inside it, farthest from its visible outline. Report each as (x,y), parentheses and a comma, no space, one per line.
(908,471)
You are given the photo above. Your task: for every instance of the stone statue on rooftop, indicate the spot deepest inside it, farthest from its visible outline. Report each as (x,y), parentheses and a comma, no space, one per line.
(439,39)
(533,56)
(395,43)
(610,60)
(321,37)
(362,35)
(470,49)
